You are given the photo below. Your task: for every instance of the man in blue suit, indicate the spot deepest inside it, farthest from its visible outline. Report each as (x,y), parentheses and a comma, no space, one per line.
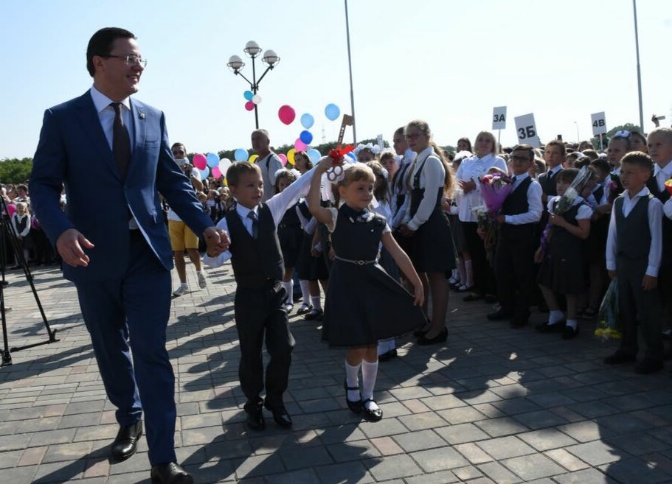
(113,155)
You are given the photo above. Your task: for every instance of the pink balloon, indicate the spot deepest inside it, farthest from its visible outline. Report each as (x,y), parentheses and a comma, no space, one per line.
(200,161)
(11,209)
(283,158)
(216,172)
(300,145)
(286,114)
(249,105)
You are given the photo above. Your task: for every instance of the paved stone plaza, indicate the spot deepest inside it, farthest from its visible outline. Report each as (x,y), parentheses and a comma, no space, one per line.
(491,405)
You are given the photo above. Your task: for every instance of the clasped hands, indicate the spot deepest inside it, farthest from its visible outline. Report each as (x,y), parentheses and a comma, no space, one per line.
(71,244)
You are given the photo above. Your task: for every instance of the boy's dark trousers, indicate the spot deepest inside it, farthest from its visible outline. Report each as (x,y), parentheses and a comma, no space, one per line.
(636,304)
(260,316)
(514,269)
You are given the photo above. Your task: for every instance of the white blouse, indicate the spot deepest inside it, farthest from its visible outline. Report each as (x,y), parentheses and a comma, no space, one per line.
(470,170)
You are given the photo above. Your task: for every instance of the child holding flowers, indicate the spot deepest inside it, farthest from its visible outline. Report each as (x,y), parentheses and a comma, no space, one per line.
(517,227)
(561,252)
(633,259)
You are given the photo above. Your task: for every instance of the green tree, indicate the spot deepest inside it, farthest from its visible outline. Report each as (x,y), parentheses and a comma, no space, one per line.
(605,141)
(14,170)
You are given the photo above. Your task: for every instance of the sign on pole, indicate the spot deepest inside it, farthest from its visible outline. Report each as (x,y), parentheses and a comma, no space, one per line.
(526,130)
(499,118)
(599,123)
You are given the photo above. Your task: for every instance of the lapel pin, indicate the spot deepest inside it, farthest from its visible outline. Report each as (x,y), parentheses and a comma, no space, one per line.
(142,115)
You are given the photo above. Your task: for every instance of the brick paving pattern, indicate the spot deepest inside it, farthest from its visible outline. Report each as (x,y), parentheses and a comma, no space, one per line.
(493,404)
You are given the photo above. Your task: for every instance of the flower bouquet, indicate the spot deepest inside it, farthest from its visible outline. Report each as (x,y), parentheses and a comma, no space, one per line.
(609,323)
(583,178)
(495,187)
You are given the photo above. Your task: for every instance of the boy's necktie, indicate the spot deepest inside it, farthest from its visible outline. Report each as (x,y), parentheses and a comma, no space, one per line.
(252,215)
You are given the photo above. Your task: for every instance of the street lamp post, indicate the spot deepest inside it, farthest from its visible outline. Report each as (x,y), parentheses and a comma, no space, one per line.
(236,64)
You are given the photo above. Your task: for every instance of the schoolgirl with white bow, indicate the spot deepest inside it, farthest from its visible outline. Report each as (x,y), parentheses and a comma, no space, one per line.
(363,304)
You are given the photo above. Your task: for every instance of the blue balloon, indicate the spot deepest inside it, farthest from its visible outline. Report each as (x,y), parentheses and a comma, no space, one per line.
(248,95)
(307,121)
(352,156)
(332,112)
(205,173)
(314,155)
(212,160)
(240,155)
(306,137)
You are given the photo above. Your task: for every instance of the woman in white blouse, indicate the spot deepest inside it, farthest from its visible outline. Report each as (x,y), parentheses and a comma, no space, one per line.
(470,170)
(427,225)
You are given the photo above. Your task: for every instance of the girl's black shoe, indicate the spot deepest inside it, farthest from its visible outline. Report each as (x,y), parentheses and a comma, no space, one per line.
(439,338)
(356,406)
(373,415)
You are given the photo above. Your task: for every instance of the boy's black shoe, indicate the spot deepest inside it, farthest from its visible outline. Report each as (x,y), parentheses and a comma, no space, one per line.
(314,315)
(619,357)
(280,415)
(255,416)
(648,365)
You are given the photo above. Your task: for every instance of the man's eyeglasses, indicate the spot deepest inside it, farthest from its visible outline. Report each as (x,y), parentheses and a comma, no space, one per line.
(131,60)
(178,152)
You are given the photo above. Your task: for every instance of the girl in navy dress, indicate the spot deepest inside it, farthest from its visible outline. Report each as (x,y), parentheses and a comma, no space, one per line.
(290,235)
(364,304)
(433,251)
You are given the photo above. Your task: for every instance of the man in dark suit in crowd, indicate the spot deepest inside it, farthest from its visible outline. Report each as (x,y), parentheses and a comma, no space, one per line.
(113,155)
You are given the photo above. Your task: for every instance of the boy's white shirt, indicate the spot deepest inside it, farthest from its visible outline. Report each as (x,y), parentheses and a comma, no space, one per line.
(278,205)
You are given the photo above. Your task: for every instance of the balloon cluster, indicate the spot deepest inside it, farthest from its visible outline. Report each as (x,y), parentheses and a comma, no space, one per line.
(251,100)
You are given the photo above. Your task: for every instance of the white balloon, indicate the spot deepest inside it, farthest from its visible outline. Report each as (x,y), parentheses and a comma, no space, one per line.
(224,165)
(256,99)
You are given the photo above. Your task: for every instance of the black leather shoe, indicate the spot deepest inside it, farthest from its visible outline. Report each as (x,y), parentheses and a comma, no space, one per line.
(255,416)
(550,328)
(371,415)
(439,338)
(354,406)
(314,315)
(280,415)
(619,357)
(500,315)
(170,474)
(569,332)
(126,442)
(388,355)
(648,365)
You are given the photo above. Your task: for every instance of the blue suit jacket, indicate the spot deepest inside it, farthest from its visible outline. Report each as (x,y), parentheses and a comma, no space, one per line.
(73,150)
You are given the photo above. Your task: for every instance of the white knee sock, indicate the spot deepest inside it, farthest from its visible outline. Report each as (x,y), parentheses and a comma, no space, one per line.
(289,287)
(470,273)
(352,380)
(461,269)
(369,374)
(305,293)
(317,305)
(555,316)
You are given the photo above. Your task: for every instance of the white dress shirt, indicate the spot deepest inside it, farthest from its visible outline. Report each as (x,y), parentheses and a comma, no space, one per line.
(278,205)
(535,208)
(106,114)
(470,170)
(655,214)
(432,179)
(662,174)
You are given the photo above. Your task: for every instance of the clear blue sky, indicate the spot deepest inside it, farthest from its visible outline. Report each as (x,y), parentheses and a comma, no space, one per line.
(448,62)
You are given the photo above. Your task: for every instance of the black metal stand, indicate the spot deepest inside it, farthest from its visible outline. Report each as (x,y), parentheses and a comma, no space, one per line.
(7,231)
